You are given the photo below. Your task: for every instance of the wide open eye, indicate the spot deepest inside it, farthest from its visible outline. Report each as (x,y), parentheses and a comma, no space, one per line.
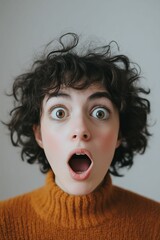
(59,113)
(100,113)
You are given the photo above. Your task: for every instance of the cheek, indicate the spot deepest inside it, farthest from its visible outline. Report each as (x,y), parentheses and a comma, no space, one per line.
(51,140)
(108,141)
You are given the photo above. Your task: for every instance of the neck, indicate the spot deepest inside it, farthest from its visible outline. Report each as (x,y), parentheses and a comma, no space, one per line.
(55,205)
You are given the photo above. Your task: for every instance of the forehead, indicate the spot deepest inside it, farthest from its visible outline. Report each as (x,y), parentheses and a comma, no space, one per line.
(75,96)
(92,88)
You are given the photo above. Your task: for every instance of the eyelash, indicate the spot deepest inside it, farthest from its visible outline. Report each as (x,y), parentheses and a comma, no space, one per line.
(92,110)
(54,107)
(101,107)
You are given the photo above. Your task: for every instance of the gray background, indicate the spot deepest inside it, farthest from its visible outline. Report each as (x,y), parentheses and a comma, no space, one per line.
(25,28)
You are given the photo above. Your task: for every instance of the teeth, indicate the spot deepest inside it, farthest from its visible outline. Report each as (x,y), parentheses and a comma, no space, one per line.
(80,154)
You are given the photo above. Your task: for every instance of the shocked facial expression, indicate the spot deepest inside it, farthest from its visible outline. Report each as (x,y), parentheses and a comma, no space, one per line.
(79,134)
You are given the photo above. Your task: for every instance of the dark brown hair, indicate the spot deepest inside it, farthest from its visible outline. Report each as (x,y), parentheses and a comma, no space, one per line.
(67,66)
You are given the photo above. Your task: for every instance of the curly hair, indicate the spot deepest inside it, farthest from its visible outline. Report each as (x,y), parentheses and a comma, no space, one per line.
(68,67)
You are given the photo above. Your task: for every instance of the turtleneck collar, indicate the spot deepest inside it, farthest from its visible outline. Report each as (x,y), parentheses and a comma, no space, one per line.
(70,211)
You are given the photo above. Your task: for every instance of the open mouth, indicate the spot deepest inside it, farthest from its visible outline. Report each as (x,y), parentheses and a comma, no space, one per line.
(79,163)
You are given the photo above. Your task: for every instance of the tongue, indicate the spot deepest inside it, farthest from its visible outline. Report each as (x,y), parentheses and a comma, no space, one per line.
(79,164)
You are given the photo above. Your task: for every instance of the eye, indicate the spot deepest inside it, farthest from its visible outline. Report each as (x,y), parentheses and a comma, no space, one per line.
(59,113)
(100,113)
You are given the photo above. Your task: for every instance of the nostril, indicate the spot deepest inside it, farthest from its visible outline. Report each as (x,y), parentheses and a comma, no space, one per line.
(85,136)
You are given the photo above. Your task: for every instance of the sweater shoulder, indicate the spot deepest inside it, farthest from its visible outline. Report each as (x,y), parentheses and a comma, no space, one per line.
(15,213)
(13,200)
(16,206)
(136,201)
(139,211)
(138,208)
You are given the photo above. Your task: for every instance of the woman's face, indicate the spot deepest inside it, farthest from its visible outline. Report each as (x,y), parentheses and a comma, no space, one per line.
(79,134)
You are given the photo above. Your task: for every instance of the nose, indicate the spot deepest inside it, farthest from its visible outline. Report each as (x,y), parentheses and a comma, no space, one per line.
(80,131)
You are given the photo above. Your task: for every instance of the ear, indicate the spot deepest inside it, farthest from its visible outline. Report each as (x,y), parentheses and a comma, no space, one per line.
(37,134)
(118,142)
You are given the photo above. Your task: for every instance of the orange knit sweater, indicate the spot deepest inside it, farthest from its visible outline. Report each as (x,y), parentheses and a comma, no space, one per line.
(108,213)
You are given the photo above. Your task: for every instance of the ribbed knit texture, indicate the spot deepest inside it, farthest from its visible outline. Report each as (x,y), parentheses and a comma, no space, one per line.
(108,213)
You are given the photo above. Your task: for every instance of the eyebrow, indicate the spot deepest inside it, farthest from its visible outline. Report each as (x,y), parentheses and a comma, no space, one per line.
(100,95)
(93,96)
(58,94)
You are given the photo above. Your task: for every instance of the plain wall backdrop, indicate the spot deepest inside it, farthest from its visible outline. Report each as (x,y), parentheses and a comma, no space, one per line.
(25,28)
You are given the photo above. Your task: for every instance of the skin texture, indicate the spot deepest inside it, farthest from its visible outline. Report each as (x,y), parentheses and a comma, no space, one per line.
(78,120)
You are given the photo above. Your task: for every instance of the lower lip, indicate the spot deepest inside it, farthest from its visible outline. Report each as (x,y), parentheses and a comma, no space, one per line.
(80,176)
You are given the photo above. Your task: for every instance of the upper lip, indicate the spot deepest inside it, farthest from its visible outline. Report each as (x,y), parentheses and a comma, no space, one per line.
(80,151)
